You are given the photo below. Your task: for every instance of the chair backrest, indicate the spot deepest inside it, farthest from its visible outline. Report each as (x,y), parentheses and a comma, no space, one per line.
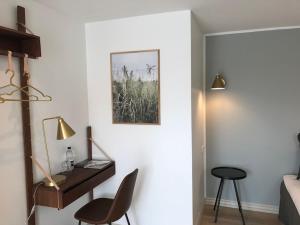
(123,197)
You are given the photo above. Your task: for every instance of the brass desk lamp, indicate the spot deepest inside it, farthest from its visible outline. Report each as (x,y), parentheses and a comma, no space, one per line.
(64,131)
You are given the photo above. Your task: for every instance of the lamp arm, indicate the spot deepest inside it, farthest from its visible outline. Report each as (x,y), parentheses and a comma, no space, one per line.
(45,141)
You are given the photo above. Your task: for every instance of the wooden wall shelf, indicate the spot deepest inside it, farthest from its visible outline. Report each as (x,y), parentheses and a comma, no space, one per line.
(19,43)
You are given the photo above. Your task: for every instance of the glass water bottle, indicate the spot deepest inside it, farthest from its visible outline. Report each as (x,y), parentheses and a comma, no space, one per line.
(70,158)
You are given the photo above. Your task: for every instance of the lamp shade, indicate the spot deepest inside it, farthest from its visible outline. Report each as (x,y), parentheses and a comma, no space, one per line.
(64,131)
(219,82)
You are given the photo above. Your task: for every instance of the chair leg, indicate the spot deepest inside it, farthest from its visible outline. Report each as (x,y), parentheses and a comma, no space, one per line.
(127,219)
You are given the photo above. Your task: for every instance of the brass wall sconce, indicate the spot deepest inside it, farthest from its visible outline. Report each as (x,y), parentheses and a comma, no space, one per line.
(219,82)
(64,131)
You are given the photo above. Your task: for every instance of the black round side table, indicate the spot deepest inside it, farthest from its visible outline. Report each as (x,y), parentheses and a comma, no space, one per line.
(228,173)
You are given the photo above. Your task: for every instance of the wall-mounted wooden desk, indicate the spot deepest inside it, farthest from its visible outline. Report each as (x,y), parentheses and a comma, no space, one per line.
(79,182)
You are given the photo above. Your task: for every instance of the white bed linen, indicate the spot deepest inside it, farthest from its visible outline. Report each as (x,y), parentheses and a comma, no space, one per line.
(293,187)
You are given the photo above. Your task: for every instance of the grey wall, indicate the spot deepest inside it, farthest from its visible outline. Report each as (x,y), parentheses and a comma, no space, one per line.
(253,124)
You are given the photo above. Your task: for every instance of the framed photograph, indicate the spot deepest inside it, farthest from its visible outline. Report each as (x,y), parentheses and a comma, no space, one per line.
(135,86)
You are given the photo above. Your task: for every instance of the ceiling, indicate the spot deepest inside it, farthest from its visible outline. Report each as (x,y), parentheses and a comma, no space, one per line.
(212,15)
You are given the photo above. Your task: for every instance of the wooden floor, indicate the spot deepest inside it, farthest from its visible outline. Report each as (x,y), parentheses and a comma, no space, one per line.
(229,216)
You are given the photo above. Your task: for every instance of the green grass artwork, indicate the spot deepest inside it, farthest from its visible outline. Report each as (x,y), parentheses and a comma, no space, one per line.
(136,87)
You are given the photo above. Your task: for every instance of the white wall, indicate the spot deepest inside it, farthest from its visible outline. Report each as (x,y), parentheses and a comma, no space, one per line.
(198,110)
(60,72)
(163,153)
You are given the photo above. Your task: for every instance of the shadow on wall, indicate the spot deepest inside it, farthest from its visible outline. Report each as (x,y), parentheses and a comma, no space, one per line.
(8,136)
(137,193)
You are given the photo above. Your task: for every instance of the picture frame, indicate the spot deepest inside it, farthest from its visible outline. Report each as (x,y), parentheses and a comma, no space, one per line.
(135,87)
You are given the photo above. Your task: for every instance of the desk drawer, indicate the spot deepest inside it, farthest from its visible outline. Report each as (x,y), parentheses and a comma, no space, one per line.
(71,191)
(71,195)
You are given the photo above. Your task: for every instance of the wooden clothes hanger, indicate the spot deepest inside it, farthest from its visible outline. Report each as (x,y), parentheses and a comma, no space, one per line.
(8,96)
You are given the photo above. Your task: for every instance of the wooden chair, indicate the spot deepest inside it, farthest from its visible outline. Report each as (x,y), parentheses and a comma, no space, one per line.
(106,210)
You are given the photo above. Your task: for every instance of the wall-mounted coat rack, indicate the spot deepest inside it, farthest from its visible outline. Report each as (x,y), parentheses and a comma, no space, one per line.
(21,43)
(9,91)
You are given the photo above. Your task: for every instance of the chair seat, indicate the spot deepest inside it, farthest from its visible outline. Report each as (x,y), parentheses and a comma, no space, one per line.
(95,212)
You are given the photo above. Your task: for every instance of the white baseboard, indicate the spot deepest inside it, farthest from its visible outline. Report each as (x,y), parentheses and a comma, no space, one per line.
(245,205)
